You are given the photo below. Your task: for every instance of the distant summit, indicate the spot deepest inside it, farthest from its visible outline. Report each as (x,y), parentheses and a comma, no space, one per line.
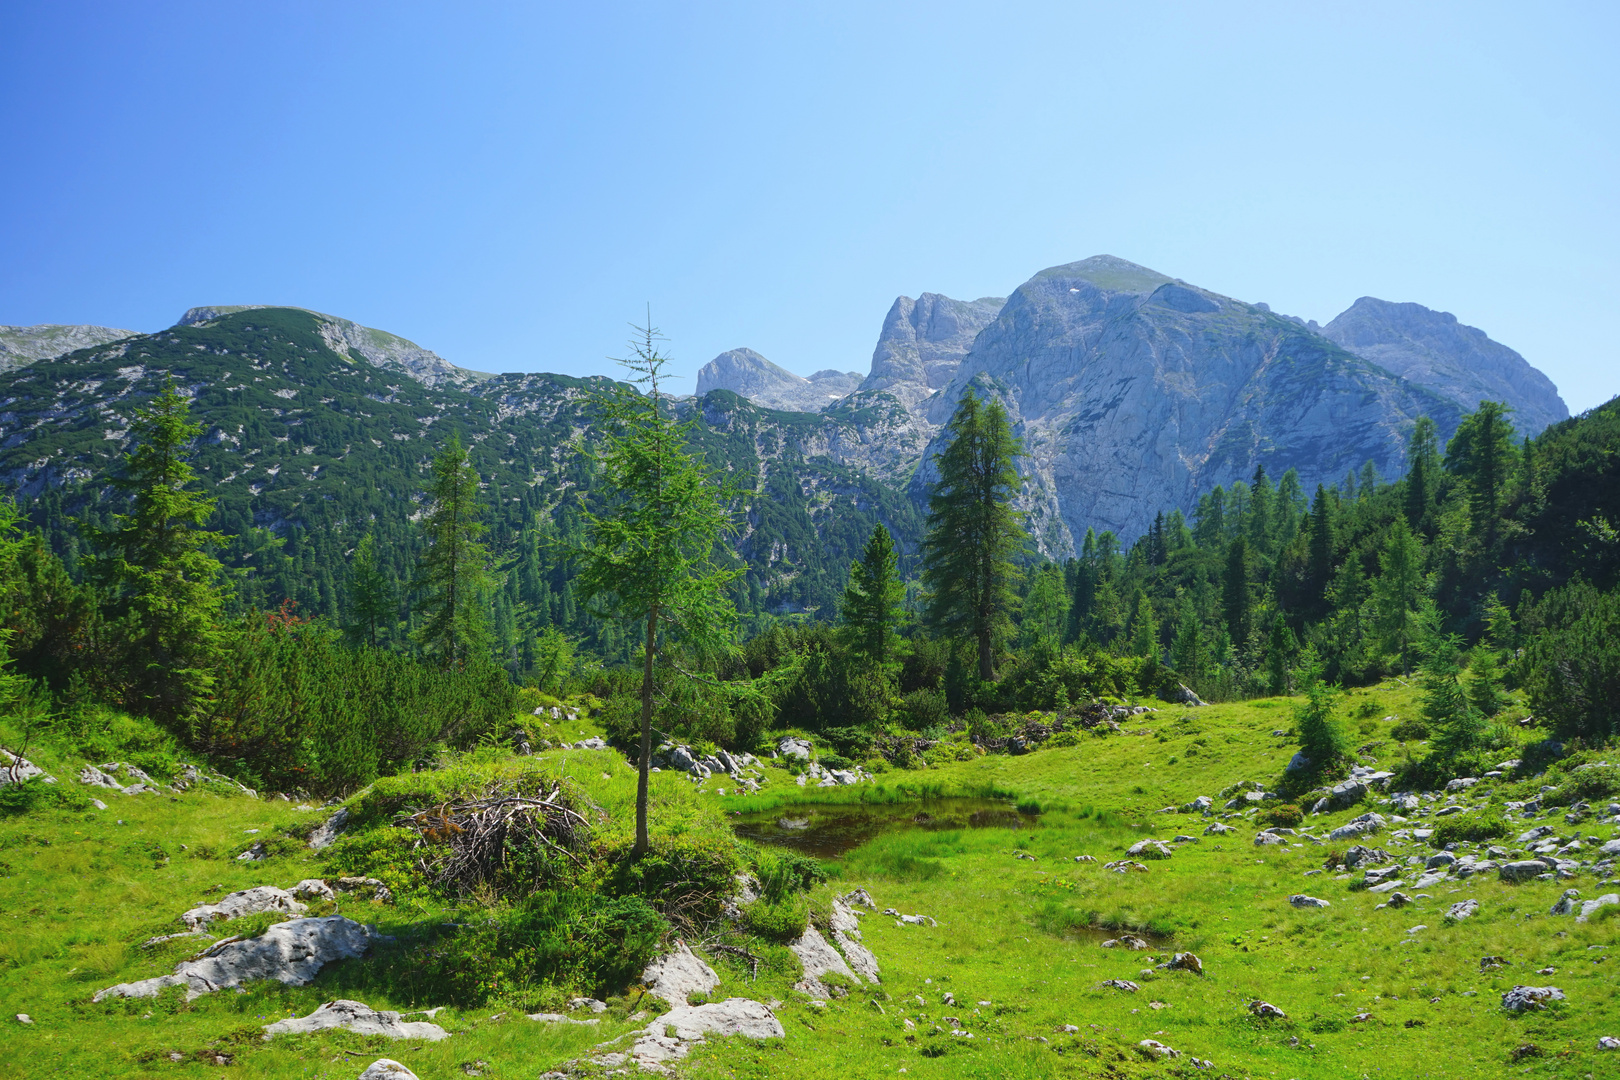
(20,345)
(747,374)
(923,342)
(378,347)
(1460,362)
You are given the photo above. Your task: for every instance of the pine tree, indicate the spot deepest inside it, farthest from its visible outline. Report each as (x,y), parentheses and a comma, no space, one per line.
(871,608)
(1046,608)
(1187,652)
(1399,592)
(452,573)
(1144,628)
(973,530)
(1209,531)
(1422,473)
(1236,602)
(1321,737)
(1457,727)
(1262,508)
(165,588)
(1485,683)
(650,554)
(1483,453)
(1158,547)
(1324,541)
(372,608)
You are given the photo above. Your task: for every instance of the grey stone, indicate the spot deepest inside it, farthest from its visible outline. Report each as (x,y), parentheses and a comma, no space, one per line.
(677,975)
(1590,907)
(1157,1050)
(1365,825)
(1300,900)
(747,374)
(1150,849)
(671,1036)
(312,889)
(1523,870)
(1440,860)
(260,898)
(1463,909)
(1119,984)
(387,1069)
(1216,828)
(794,748)
(291,952)
(358,1017)
(1524,998)
(1359,855)
(561,1018)
(1341,796)
(818,958)
(14,769)
(1567,904)
(328,832)
(1267,838)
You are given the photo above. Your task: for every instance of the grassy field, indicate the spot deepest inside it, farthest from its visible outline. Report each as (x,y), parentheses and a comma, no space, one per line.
(1018,940)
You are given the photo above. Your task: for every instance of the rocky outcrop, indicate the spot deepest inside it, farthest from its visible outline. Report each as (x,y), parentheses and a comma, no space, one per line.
(20,345)
(358,1017)
(818,959)
(387,1069)
(673,1035)
(923,342)
(677,975)
(1433,349)
(291,952)
(1134,393)
(377,347)
(260,898)
(747,374)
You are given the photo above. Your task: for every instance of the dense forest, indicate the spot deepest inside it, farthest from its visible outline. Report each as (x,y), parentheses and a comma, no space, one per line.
(323,642)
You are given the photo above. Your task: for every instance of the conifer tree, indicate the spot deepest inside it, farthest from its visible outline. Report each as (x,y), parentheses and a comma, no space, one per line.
(1188,652)
(1483,453)
(452,573)
(1324,542)
(1399,592)
(1262,506)
(1236,601)
(973,530)
(1485,683)
(1457,727)
(1321,737)
(372,608)
(1144,628)
(871,608)
(1422,473)
(1046,608)
(650,554)
(164,584)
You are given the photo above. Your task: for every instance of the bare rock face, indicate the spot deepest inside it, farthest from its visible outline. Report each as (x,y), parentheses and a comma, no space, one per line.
(818,958)
(358,1017)
(21,345)
(1134,392)
(672,1036)
(291,952)
(326,834)
(923,342)
(747,374)
(677,975)
(1459,362)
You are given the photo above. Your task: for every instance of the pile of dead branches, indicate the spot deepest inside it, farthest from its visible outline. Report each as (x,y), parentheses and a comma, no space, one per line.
(469,846)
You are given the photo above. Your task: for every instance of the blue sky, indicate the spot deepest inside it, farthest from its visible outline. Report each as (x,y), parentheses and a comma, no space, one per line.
(510,185)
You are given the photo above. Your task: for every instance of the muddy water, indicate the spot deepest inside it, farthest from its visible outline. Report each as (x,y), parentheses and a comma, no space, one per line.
(827,832)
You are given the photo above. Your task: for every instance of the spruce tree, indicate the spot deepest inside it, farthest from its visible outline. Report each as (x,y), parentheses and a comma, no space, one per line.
(1483,453)
(1399,592)
(973,530)
(452,573)
(870,611)
(650,553)
(1456,726)
(1262,511)
(1046,608)
(1236,602)
(165,587)
(1422,473)
(372,609)
(1144,629)
(1323,542)
(1187,651)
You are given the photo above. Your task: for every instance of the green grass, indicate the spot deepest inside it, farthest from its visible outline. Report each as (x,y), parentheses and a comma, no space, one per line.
(79,893)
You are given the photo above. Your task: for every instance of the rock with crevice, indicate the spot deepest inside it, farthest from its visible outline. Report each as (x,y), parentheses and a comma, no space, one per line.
(818,958)
(254,901)
(1300,900)
(360,1018)
(1530,998)
(1150,849)
(672,1036)
(1463,909)
(679,974)
(326,833)
(386,1069)
(16,769)
(292,953)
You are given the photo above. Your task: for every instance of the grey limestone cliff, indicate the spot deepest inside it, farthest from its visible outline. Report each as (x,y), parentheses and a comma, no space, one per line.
(747,374)
(345,337)
(1135,392)
(20,345)
(923,342)
(1456,361)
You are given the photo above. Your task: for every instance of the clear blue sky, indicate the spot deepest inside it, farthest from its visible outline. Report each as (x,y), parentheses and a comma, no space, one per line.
(509,185)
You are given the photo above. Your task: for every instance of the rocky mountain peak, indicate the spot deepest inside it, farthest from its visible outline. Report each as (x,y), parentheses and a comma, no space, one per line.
(923,342)
(748,374)
(1458,361)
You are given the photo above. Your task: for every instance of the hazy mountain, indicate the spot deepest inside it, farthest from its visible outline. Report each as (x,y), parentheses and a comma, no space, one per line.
(1458,362)
(1135,392)
(21,345)
(747,374)
(923,342)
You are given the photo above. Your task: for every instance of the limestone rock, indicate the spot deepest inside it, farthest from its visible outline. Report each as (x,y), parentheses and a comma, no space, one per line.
(360,1018)
(818,958)
(1150,849)
(794,748)
(1158,1051)
(677,975)
(1120,984)
(22,345)
(1590,908)
(671,1036)
(922,344)
(1300,900)
(1216,828)
(327,833)
(1526,998)
(313,889)
(1567,904)
(1265,1010)
(387,1069)
(1365,825)
(14,769)
(1463,909)
(291,952)
(1523,870)
(252,901)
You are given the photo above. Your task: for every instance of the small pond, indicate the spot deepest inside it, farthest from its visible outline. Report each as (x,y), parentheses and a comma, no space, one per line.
(826,832)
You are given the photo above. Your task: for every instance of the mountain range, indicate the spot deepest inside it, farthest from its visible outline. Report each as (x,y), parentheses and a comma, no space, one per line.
(1133,393)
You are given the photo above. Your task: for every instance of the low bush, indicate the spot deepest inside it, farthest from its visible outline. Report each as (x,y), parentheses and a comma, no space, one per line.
(1468,827)
(781,921)
(1409,731)
(1286,815)
(783,873)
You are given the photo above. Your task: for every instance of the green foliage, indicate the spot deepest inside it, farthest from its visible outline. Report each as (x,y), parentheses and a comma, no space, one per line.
(163,585)
(372,604)
(783,873)
(780,920)
(452,576)
(1571,670)
(26,796)
(1321,736)
(1459,728)
(870,611)
(1469,828)
(973,530)
(1284,815)
(922,709)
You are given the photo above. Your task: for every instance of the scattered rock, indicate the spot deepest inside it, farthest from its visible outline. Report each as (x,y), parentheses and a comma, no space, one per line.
(360,1018)
(313,889)
(290,952)
(1365,825)
(386,1069)
(1359,855)
(1269,839)
(672,1036)
(1608,1042)
(560,1018)
(1156,1050)
(1398,900)
(1150,849)
(1589,908)
(1341,796)
(1118,984)
(677,975)
(379,891)
(327,833)
(252,854)
(1184,695)
(1201,805)
(252,901)
(818,958)
(592,1004)
(1265,1010)
(24,1018)
(1184,961)
(14,769)
(1491,963)
(1523,998)
(1298,762)
(1300,900)
(1125,941)
(794,748)
(1463,909)
(1567,904)
(1522,870)
(1216,828)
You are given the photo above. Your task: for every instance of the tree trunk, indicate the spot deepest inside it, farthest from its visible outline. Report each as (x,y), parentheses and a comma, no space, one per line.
(986,672)
(646,736)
